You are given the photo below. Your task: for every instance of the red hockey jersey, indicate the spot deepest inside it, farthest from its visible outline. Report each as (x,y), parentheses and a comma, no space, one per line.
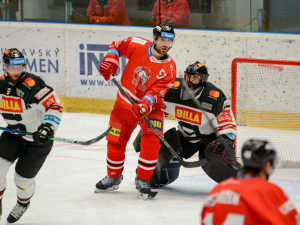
(143,72)
(250,201)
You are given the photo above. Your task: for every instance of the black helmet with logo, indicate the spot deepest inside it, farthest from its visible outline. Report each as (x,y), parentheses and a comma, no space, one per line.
(13,56)
(197,68)
(163,30)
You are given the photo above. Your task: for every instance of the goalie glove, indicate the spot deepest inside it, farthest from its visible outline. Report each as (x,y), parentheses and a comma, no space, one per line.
(44,132)
(110,64)
(222,146)
(144,106)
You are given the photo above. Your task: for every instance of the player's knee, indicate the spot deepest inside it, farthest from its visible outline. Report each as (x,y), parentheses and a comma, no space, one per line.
(4,167)
(150,142)
(24,184)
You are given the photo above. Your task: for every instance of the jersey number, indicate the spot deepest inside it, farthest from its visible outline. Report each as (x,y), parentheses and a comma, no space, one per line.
(231,218)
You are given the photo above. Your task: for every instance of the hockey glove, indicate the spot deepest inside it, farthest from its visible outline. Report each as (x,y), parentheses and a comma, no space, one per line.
(44,132)
(143,106)
(223,146)
(109,65)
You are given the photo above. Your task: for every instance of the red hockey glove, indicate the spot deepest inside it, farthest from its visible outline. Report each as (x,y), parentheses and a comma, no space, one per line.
(143,106)
(109,65)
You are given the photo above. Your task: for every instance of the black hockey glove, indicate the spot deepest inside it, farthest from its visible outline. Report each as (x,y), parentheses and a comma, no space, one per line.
(44,132)
(223,146)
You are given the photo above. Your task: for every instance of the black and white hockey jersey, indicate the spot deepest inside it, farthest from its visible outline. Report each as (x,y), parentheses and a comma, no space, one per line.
(214,117)
(28,104)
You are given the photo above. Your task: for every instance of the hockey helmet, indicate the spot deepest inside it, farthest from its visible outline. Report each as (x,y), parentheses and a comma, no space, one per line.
(13,56)
(196,68)
(255,154)
(163,30)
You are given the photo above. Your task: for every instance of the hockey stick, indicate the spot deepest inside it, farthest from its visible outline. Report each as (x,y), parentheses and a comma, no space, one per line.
(198,104)
(201,162)
(89,142)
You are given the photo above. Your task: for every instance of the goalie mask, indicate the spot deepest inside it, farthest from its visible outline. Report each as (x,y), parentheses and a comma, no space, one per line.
(195,76)
(13,57)
(255,154)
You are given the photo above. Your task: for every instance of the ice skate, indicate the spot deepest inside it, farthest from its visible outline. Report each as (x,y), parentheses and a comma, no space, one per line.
(144,191)
(108,184)
(17,212)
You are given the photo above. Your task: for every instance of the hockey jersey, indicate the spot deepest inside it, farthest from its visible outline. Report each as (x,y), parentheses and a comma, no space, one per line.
(28,104)
(143,73)
(214,116)
(248,201)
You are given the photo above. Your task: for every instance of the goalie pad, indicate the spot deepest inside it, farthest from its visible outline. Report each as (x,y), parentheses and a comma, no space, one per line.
(165,170)
(166,175)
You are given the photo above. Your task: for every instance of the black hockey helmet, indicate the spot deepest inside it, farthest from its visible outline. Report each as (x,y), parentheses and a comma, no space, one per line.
(13,56)
(255,154)
(163,30)
(196,68)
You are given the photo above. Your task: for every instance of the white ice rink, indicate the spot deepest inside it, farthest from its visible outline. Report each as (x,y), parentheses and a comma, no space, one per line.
(65,185)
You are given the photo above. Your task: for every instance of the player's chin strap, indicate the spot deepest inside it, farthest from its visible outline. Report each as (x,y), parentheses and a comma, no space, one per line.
(201,162)
(88,142)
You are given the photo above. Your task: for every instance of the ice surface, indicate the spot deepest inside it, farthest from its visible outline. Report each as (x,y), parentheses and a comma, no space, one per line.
(65,185)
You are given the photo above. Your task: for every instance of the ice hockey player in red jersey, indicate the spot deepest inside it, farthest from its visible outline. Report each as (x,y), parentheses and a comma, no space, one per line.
(207,129)
(147,77)
(251,200)
(27,105)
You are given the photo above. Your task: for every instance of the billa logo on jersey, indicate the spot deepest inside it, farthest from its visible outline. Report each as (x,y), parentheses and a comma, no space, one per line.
(188,115)
(156,123)
(11,105)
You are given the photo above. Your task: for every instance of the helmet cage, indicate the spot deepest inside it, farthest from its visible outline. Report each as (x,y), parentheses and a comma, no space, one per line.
(197,68)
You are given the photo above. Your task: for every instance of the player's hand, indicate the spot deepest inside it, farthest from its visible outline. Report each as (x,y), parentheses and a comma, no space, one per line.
(44,132)
(143,106)
(109,65)
(96,19)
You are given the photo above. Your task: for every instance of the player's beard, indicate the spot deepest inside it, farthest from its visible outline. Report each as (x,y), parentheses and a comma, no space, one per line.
(14,79)
(160,51)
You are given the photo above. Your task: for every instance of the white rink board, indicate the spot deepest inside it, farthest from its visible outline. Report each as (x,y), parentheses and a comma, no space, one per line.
(44,50)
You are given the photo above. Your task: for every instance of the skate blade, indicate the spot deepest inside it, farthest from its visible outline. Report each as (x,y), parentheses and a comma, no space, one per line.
(113,188)
(145,196)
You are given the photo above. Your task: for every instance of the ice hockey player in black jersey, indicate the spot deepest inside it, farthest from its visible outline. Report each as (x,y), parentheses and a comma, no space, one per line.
(27,104)
(208,130)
